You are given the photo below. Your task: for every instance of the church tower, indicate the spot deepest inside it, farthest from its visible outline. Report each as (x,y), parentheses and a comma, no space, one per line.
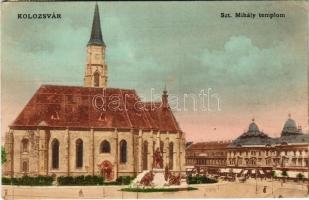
(96,69)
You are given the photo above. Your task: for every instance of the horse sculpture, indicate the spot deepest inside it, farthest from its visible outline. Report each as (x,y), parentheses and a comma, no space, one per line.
(147,179)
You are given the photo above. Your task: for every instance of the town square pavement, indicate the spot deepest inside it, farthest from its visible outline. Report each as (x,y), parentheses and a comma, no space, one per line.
(250,189)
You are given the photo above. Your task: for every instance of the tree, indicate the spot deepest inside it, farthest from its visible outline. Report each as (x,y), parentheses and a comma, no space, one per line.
(3,155)
(273,174)
(284,173)
(300,176)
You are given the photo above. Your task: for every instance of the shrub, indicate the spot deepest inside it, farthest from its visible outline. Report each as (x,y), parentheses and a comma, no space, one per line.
(111,183)
(124,180)
(155,189)
(300,176)
(27,180)
(200,179)
(65,180)
(3,155)
(284,173)
(80,180)
(273,173)
(92,180)
(6,181)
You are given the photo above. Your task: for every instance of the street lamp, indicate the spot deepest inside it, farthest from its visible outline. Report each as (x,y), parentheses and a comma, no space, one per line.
(256,181)
(256,171)
(272,178)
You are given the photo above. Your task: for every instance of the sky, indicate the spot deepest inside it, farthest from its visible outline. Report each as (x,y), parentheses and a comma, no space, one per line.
(250,68)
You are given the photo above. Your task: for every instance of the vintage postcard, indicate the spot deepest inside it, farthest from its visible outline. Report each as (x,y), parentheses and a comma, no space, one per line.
(154,100)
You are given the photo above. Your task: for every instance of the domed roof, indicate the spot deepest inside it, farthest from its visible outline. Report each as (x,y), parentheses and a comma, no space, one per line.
(290,127)
(253,127)
(252,137)
(290,124)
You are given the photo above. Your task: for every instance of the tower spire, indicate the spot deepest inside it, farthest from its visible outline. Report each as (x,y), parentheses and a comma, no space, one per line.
(96,33)
(96,68)
(165,98)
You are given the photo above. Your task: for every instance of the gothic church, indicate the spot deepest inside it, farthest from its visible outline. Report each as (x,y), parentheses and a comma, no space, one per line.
(69,130)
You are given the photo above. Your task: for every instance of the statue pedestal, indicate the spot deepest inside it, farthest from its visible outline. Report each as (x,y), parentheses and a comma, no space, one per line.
(158,180)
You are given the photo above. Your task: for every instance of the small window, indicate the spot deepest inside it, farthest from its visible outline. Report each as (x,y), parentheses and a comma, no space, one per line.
(105,147)
(96,77)
(25,145)
(25,166)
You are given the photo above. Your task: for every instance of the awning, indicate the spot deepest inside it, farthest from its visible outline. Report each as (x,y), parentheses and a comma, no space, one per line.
(253,171)
(261,172)
(246,172)
(237,171)
(189,168)
(293,174)
(278,173)
(224,170)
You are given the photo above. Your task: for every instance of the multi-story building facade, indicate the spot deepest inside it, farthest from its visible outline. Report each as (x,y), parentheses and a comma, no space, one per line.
(207,156)
(255,152)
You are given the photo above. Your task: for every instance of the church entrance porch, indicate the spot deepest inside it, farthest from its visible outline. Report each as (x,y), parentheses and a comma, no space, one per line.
(106,170)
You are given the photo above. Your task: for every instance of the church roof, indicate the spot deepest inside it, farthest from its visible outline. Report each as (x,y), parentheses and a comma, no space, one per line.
(159,117)
(96,33)
(87,107)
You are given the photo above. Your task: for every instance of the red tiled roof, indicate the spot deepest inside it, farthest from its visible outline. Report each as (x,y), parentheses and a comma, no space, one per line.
(161,118)
(210,145)
(73,107)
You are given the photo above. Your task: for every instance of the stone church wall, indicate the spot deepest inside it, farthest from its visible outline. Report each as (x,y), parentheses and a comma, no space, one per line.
(39,164)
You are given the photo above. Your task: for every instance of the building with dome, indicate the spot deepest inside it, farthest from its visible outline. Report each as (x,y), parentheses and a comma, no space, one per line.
(92,129)
(256,150)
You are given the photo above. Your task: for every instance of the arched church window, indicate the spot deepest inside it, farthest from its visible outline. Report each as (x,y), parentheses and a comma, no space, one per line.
(145,155)
(79,153)
(96,77)
(55,154)
(105,147)
(123,151)
(171,155)
(161,146)
(25,145)
(153,146)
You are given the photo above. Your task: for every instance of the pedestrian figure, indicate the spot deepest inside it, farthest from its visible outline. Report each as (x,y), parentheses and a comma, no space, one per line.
(80,193)
(264,189)
(5,194)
